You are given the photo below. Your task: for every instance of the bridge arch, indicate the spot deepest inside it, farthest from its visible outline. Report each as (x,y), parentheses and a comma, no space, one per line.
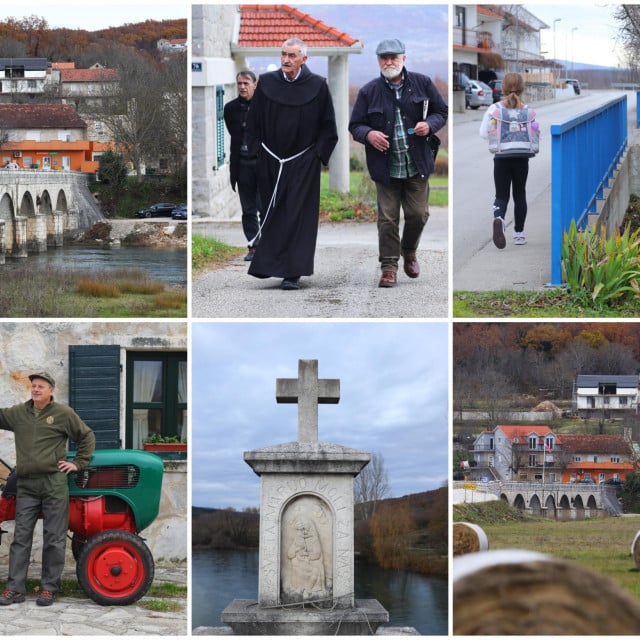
(550,507)
(534,505)
(591,502)
(519,503)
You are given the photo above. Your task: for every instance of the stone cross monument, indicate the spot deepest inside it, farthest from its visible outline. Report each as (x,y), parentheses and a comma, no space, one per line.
(306,565)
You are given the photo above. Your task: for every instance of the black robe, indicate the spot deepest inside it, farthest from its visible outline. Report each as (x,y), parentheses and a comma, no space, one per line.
(289,117)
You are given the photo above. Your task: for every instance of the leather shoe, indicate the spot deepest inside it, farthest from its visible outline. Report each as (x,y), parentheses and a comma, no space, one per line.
(291,284)
(411,266)
(388,279)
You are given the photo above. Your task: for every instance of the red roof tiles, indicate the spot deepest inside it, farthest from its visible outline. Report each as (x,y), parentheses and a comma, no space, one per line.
(263,25)
(40,116)
(89,75)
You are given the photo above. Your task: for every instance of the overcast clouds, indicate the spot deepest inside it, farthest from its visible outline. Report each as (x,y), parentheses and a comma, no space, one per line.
(393,388)
(592,42)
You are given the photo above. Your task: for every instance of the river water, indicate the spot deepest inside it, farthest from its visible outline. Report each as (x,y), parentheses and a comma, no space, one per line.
(166,265)
(218,577)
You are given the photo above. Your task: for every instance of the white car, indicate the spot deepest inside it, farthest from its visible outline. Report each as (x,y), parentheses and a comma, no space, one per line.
(477,94)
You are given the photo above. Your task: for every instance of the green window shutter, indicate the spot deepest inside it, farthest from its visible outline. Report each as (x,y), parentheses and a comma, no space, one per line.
(94,390)
(220,124)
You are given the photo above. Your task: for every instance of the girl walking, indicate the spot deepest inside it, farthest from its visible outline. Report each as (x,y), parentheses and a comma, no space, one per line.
(513,143)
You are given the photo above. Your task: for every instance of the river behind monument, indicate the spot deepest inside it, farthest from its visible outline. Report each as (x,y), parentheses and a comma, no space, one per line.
(411,599)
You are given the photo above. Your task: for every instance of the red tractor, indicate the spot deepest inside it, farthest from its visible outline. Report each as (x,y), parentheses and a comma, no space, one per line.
(110,502)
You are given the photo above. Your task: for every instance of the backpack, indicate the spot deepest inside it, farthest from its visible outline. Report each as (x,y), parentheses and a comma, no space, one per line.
(514,133)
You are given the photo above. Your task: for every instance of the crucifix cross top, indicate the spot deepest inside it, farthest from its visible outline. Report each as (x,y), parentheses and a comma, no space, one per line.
(307,391)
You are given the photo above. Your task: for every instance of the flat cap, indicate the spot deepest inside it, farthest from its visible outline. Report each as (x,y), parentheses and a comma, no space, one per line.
(45,376)
(392,46)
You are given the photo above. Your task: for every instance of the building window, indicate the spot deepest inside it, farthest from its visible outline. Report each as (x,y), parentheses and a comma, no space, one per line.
(532,460)
(220,125)
(622,400)
(156,396)
(533,442)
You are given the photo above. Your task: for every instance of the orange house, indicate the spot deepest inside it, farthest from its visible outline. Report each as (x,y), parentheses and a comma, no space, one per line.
(81,155)
(596,458)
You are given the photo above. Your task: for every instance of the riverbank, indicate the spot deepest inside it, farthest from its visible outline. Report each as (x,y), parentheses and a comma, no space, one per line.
(135,233)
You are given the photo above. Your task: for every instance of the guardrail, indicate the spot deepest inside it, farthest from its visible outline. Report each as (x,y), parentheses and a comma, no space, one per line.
(585,152)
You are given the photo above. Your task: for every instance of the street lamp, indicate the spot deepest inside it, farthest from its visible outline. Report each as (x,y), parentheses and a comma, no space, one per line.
(554,43)
(572,30)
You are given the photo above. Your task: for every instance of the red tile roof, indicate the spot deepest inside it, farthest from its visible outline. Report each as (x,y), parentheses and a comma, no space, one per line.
(601,443)
(263,25)
(89,75)
(63,65)
(40,116)
(523,432)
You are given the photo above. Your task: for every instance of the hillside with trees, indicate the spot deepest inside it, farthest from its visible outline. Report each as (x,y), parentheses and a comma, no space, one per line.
(32,37)
(500,367)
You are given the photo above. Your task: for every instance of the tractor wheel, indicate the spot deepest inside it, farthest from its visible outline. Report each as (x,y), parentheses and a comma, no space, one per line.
(115,568)
(77,544)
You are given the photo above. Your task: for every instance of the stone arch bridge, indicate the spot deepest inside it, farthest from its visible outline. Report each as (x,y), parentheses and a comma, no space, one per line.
(561,501)
(38,208)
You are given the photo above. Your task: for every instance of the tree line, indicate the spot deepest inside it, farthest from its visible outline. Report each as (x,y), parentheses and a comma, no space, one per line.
(496,361)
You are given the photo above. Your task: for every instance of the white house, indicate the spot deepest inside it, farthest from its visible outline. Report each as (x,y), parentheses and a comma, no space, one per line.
(605,393)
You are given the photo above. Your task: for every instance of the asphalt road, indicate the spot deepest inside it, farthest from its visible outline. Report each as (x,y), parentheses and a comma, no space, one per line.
(477,264)
(345,282)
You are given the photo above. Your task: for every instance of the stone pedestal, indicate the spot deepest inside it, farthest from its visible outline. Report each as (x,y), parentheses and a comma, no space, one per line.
(306,565)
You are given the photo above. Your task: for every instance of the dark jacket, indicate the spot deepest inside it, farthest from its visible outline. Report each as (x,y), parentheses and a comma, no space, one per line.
(374,109)
(234,115)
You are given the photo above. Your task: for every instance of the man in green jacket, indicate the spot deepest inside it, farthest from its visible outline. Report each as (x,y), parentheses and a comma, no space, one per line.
(41,429)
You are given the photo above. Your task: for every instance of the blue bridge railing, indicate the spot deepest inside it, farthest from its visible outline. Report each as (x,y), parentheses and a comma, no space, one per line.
(585,152)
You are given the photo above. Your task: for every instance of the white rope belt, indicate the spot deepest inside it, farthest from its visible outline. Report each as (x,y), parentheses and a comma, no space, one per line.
(282,162)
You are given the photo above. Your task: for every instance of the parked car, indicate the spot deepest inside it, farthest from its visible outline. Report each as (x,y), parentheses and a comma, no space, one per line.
(159,209)
(575,84)
(477,94)
(180,212)
(496,89)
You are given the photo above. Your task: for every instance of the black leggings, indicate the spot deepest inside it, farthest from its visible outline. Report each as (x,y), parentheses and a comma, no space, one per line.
(510,174)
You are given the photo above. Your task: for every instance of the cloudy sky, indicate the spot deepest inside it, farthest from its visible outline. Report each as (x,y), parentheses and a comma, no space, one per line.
(424,29)
(585,32)
(393,388)
(93,16)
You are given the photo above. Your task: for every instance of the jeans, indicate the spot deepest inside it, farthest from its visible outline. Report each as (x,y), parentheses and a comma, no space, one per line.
(412,194)
(249,199)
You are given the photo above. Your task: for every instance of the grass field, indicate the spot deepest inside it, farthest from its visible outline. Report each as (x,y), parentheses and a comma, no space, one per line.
(599,544)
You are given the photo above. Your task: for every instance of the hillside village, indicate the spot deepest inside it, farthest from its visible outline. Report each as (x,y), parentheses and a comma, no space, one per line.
(581,427)
(58,115)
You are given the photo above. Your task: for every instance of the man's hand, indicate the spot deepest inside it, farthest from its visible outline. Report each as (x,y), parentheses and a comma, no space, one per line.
(422,129)
(66,467)
(378,140)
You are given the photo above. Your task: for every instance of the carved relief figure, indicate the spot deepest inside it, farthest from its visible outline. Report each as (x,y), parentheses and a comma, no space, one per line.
(307,561)
(306,553)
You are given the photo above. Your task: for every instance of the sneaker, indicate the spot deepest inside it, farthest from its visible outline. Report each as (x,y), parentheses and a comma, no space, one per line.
(291,284)
(11,597)
(498,233)
(45,599)
(518,238)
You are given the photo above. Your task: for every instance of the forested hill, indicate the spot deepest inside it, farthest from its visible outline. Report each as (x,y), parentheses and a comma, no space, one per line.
(32,37)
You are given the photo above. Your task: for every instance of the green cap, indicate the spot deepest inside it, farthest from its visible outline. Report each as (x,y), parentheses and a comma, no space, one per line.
(45,376)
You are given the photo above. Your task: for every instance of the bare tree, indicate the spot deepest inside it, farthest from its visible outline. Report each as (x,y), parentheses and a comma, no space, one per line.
(371,485)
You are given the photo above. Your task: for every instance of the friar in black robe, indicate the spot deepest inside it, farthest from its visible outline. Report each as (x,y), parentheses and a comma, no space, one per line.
(292,122)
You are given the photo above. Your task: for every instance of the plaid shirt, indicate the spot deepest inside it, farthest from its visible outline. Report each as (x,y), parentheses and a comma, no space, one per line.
(401,165)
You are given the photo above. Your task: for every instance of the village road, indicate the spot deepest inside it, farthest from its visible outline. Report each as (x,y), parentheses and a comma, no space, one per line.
(345,282)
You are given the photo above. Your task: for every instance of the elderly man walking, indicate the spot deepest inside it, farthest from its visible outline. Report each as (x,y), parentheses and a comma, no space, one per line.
(292,130)
(394,116)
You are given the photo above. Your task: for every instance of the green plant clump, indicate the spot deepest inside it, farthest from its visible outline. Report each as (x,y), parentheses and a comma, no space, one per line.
(601,271)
